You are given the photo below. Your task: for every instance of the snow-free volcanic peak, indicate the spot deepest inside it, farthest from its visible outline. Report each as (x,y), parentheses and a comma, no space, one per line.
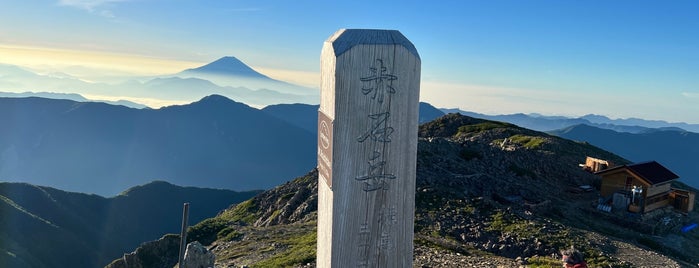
(228,65)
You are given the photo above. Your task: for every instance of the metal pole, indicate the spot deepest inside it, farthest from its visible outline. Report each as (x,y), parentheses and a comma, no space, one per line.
(183,234)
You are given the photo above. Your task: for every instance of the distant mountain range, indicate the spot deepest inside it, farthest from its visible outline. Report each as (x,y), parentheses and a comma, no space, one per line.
(66,144)
(653,124)
(45,227)
(227,76)
(100,148)
(548,123)
(230,77)
(306,116)
(69,96)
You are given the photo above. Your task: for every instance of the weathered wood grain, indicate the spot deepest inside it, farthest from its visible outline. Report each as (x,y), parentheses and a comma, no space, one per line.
(369,90)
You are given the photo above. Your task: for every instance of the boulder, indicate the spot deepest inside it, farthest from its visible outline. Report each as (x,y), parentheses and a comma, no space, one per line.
(197,256)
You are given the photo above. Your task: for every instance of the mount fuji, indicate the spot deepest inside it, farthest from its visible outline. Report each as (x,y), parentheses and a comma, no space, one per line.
(230,71)
(227,65)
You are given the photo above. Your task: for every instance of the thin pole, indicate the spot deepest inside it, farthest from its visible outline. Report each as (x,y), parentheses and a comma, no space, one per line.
(183,233)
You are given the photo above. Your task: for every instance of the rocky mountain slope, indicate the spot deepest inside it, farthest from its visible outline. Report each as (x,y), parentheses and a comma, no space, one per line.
(489,194)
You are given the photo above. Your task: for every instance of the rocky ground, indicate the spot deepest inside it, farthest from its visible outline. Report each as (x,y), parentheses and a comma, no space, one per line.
(432,257)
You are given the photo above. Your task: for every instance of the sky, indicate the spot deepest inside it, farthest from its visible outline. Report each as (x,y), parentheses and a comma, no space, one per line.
(616,58)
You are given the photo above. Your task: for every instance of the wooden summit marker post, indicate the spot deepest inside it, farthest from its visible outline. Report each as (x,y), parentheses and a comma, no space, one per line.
(367,149)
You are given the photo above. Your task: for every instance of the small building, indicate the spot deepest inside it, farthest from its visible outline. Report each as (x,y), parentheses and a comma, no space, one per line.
(595,165)
(644,187)
(682,200)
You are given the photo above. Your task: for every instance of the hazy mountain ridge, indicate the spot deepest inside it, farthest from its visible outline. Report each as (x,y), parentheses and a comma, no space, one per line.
(549,123)
(69,96)
(46,227)
(466,177)
(97,148)
(598,119)
(301,115)
(306,115)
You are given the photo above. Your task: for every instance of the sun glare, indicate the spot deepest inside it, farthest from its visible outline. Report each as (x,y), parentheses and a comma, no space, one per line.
(51,59)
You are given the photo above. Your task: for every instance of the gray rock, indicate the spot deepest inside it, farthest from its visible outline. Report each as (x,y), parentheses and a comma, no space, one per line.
(197,256)
(154,254)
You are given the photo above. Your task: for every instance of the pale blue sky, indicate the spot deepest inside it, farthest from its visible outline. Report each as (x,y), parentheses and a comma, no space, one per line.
(616,58)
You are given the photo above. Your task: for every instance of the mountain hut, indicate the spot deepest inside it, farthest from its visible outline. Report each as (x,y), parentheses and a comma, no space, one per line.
(644,187)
